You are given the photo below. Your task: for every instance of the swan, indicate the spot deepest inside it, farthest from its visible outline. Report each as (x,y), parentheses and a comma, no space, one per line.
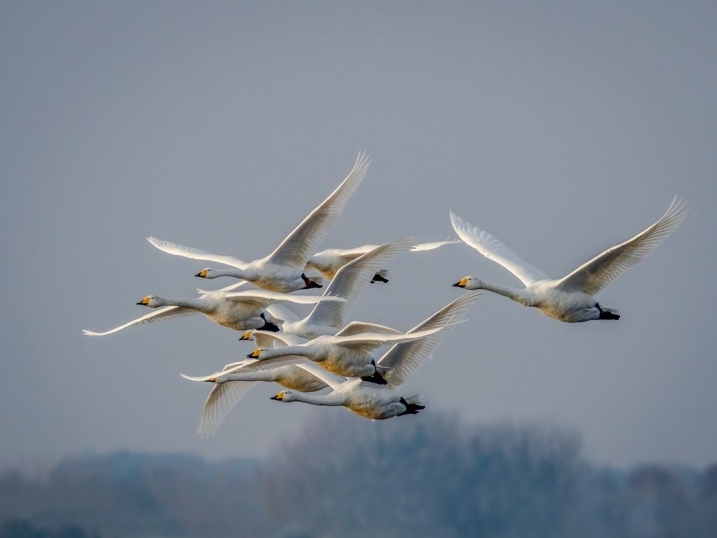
(349,280)
(329,261)
(283,269)
(379,402)
(239,310)
(347,354)
(236,379)
(571,298)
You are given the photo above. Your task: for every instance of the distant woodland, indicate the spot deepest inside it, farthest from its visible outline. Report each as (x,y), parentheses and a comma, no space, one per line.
(424,476)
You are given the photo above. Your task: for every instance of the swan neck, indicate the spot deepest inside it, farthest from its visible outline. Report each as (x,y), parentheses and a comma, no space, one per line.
(234,273)
(518,295)
(194,304)
(272,352)
(318,399)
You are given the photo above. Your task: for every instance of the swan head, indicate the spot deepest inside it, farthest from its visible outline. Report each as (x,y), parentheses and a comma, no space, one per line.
(248,335)
(207,272)
(256,354)
(469,283)
(284,396)
(152,301)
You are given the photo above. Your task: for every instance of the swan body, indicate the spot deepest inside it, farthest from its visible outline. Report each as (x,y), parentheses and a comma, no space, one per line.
(329,317)
(241,310)
(344,355)
(572,298)
(380,402)
(363,398)
(282,270)
(329,261)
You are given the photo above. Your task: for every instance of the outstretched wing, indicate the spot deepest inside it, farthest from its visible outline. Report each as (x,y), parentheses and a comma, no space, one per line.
(221,400)
(300,243)
(493,249)
(594,275)
(195,253)
(422,247)
(264,298)
(350,280)
(369,341)
(160,314)
(356,327)
(402,359)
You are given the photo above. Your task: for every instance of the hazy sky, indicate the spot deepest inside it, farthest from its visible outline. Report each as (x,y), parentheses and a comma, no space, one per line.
(563,128)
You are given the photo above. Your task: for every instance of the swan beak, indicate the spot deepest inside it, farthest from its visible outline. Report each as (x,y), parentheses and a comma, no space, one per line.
(202,273)
(144,302)
(254,354)
(246,335)
(460,284)
(278,397)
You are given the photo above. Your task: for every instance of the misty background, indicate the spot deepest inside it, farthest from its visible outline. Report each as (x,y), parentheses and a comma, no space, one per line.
(563,129)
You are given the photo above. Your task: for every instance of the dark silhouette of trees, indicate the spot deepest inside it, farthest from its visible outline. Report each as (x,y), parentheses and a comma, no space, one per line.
(430,475)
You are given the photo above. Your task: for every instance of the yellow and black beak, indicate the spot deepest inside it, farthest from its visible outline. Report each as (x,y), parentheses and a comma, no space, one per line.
(245,336)
(254,354)
(144,302)
(202,273)
(278,397)
(461,283)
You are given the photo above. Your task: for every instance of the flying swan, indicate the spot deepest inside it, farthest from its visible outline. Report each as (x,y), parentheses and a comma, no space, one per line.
(238,310)
(379,402)
(283,269)
(571,298)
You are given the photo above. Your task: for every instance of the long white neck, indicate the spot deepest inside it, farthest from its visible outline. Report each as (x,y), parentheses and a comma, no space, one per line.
(199,304)
(332,399)
(522,296)
(234,273)
(304,351)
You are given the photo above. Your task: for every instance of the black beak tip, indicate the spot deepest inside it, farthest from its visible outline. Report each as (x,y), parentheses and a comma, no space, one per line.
(457,285)
(274,398)
(250,356)
(199,275)
(140,303)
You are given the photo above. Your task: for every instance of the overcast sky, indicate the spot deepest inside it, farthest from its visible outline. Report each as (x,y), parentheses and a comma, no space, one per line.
(563,128)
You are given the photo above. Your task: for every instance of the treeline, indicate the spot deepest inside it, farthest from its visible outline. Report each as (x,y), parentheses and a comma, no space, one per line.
(429,475)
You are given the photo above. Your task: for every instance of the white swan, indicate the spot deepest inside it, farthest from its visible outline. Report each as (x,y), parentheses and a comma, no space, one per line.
(571,298)
(380,402)
(329,261)
(282,270)
(239,310)
(347,354)
(236,379)
(329,318)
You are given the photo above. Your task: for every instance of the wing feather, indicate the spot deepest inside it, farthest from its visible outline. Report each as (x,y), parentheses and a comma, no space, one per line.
(195,253)
(350,280)
(160,314)
(403,359)
(493,249)
(303,240)
(597,273)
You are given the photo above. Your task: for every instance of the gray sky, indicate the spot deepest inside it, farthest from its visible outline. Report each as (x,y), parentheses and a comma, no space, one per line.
(563,129)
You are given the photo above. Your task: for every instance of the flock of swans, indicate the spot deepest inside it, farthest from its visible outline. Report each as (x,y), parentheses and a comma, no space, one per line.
(325,351)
